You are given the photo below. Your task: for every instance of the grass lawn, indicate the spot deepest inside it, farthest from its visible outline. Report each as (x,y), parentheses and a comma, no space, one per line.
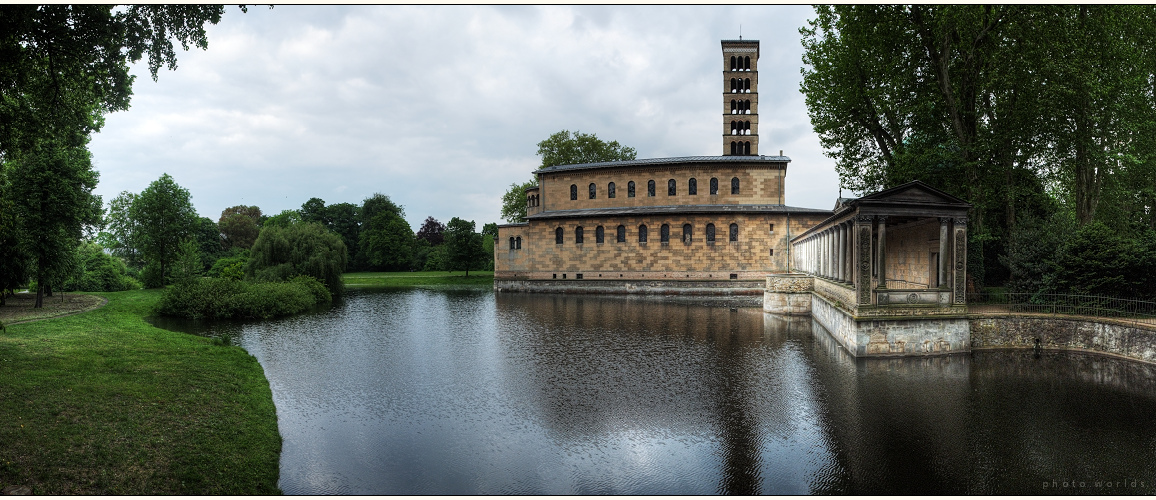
(103,403)
(419,278)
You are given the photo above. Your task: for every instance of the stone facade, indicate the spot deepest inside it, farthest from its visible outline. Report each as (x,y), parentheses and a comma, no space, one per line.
(740,104)
(749,257)
(904,336)
(788,294)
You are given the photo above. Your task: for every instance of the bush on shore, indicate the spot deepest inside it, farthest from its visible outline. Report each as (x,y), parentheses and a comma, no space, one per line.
(223,298)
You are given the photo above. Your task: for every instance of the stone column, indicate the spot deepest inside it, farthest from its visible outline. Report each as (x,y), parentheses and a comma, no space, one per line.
(942,281)
(882,251)
(843,253)
(863,259)
(960,271)
(849,251)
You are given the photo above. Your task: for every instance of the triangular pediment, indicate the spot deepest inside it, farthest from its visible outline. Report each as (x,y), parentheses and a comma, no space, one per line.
(913,192)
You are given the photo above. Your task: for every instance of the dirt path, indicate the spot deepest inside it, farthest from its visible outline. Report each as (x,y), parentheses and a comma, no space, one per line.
(18,308)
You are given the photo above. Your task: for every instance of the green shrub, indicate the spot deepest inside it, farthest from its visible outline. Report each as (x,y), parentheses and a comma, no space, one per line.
(306,249)
(320,294)
(221,298)
(96,271)
(230,267)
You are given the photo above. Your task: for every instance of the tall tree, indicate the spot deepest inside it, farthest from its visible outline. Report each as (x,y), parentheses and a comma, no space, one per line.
(387,242)
(238,225)
(432,231)
(53,201)
(282,252)
(121,229)
(463,245)
(165,217)
(314,211)
(563,148)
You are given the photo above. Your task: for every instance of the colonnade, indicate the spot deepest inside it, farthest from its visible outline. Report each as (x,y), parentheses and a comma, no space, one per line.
(828,253)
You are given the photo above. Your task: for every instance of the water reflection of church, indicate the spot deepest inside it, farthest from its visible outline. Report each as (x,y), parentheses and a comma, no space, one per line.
(719,225)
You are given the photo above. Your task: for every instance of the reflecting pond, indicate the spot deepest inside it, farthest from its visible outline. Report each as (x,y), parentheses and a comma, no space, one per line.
(422,391)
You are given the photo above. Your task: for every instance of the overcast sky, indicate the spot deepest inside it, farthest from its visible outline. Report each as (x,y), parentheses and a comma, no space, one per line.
(441,108)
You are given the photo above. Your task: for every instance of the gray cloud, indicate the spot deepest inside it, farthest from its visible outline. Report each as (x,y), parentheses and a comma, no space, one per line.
(441,108)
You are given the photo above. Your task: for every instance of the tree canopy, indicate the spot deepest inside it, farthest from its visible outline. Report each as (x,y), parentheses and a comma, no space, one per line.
(562,148)
(165,218)
(1020,109)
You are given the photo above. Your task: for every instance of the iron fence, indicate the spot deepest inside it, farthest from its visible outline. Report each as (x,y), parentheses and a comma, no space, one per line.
(1135,312)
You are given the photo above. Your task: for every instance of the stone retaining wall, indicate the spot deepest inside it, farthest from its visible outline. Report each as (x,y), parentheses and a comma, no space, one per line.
(1021,332)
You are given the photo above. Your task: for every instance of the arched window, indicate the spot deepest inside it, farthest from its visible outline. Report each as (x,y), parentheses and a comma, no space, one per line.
(558,236)
(650,188)
(734,185)
(573,191)
(747,107)
(713,186)
(664,234)
(630,189)
(593,191)
(747,63)
(734,148)
(747,128)
(747,85)
(710,233)
(511,243)
(599,235)
(621,234)
(670,188)
(747,148)
(734,127)
(734,106)
(734,85)
(692,186)
(518,243)
(642,233)
(686,234)
(610,190)
(578,234)
(734,232)
(733,63)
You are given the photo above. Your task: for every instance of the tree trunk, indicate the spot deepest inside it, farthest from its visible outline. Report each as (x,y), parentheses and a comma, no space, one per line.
(39,291)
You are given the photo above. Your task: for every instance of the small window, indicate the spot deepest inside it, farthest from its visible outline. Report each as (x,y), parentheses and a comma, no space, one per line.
(518,243)
(713,186)
(734,185)
(599,235)
(734,232)
(772,252)
(610,190)
(511,243)
(630,189)
(649,188)
(593,191)
(573,191)
(578,234)
(692,186)
(710,233)
(621,234)
(664,234)
(772,228)
(558,236)
(642,233)
(670,188)
(687,229)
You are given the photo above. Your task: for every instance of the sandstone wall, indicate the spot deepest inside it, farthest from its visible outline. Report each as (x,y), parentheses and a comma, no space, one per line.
(750,257)
(1021,332)
(909,253)
(758,184)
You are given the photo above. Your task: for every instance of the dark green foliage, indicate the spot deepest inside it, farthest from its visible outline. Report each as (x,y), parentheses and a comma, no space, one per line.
(307,249)
(15,267)
(284,219)
(231,266)
(437,259)
(51,187)
(165,218)
(208,237)
(97,271)
(464,250)
(514,201)
(1096,260)
(432,231)
(345,220)
(387,242)
(220,298)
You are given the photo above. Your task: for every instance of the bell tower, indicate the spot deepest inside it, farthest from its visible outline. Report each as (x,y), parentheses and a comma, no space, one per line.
(740,97)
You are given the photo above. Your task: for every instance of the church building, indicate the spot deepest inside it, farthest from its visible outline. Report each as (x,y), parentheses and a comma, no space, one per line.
(693,224)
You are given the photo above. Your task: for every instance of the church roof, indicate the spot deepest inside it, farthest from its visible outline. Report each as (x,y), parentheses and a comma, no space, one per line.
(668,161)
(674,209)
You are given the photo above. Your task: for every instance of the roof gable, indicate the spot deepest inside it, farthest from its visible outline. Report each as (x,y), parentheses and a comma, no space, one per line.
(913,192)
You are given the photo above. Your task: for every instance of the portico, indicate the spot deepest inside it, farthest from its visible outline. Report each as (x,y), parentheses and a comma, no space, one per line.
(890,271)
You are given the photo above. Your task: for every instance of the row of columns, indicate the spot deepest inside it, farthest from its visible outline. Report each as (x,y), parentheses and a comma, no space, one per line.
(830,253)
